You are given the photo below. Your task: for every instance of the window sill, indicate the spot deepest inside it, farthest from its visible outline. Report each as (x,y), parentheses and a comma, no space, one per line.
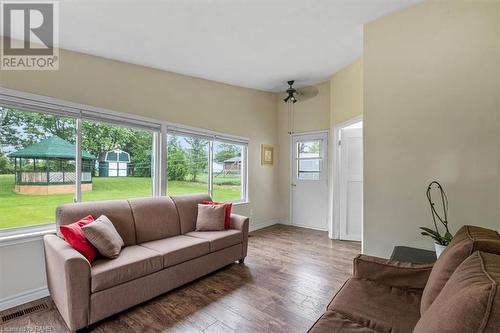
(241,203)
(25,234)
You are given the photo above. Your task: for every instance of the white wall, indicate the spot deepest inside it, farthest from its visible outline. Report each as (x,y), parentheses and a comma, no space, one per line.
(431,111)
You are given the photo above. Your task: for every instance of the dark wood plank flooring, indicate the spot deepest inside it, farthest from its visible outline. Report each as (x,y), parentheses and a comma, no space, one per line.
(287,280)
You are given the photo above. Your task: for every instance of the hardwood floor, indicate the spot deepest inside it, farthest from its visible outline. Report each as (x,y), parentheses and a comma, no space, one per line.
(285,284)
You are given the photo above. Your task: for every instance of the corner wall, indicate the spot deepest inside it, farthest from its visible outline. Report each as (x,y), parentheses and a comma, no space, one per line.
(346,101)
(310,115)
(431,112)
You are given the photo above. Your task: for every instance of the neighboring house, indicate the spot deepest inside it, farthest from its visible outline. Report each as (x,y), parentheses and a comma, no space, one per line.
(114,163)
(232,164)
(218,167)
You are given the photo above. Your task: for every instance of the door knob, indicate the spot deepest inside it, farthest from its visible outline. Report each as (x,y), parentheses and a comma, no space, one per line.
(294,185)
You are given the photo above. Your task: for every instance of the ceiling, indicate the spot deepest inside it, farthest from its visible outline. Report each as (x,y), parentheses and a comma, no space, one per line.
(258,44)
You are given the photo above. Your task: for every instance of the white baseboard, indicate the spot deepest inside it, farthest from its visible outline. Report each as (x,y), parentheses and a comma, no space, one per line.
(264,224)
(22,298)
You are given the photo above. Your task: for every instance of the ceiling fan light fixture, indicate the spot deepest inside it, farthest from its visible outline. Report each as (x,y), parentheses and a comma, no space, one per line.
(291,93)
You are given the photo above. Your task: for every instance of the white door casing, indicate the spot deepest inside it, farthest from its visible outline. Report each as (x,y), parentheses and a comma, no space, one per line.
(351,184)
(309,180)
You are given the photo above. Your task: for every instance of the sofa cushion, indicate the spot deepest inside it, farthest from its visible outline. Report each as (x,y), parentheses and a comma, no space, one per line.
(103,235)
(210,217)
(229,207)
(118,211)
(470,301)
(132,263)
(332,321)
(219,239)
(378,307)
(155,218)
(74,236)
(187,208)
(178,249)
(467,240)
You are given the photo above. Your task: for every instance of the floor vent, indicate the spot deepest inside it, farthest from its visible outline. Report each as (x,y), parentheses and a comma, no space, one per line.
(23,312)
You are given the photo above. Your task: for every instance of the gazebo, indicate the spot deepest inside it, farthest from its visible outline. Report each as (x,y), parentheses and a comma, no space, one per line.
(48,167)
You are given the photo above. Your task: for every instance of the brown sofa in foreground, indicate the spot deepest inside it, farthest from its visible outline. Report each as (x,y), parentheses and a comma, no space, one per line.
(459,293)
(162,251)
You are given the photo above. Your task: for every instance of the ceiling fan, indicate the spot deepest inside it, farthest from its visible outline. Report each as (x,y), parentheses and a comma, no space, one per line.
(297,95)
(300,94)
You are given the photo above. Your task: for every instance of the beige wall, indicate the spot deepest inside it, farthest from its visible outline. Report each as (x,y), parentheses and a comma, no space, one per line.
(167,96)
(161,95)
(310,115)
(346,93)
(431,84)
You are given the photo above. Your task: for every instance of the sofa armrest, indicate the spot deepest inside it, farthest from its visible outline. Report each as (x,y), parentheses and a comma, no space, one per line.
(68,279)
(393,273)
(241,223)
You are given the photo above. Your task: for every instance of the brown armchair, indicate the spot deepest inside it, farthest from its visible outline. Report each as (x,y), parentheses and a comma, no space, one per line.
(391,296)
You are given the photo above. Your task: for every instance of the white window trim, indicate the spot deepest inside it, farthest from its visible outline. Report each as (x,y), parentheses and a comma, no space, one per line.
(81,112)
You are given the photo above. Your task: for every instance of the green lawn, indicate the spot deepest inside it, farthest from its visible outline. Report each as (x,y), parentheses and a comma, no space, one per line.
(18,210)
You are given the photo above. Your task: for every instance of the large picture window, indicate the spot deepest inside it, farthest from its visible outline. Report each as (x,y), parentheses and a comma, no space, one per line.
(187,168)
(120,157)
(199,164)
(37,166)
(227,172)
(123,165)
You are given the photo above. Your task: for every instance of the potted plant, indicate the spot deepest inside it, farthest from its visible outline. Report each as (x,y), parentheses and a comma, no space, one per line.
(440,240)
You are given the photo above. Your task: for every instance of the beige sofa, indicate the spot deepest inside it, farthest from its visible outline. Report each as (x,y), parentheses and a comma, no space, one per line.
(162,251)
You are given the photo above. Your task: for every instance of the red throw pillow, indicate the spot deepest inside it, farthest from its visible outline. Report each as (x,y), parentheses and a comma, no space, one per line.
(229,207)
(73,235)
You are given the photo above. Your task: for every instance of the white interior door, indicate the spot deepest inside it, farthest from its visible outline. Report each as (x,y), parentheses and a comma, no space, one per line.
(309,188)
(351,183)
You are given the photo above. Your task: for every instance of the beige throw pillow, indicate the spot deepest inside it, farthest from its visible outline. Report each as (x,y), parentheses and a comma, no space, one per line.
(103,235)
(210,217)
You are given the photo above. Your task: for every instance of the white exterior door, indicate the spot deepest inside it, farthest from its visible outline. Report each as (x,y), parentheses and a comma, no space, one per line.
(351,183)
(309,187)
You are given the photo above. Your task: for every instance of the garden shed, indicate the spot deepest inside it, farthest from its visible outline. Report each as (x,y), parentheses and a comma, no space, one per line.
(232,165)
(114,163)
(48,167)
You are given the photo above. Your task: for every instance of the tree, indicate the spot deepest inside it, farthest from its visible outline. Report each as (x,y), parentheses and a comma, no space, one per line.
(5,165)
(197,157)
(176,157)
(20,128)
(226,151)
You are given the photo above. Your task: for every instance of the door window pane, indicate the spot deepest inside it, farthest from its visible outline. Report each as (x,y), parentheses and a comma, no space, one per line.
(187,165)
(309,159)
(37,166)
(309,149)
(309,169)
(122,165)
(227,172)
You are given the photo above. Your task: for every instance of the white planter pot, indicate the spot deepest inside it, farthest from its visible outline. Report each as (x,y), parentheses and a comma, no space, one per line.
(439,249)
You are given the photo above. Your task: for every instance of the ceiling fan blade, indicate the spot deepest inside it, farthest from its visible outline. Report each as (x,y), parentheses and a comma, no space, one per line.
(307,92)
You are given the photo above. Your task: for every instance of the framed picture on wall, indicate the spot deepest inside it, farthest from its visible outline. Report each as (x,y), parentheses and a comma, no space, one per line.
(267,155)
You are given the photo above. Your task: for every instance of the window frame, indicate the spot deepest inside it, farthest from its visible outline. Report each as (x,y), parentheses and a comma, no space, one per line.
(211,138)
(80,112)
